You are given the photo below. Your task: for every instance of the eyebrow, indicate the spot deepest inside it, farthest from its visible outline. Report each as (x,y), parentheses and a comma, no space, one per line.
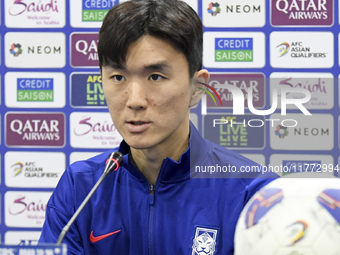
(160,66)
(117,66)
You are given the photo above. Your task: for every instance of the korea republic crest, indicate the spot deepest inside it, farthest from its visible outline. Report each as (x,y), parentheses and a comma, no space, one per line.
(204,242)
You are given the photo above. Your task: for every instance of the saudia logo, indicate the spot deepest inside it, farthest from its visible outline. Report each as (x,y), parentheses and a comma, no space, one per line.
(234,49)
(86,126)
(22,6)
(313,88)
(96,10)
(34,90)
(20,206)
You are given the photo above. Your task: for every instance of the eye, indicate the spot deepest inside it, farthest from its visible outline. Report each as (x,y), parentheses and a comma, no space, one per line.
(118,78)
(156,77)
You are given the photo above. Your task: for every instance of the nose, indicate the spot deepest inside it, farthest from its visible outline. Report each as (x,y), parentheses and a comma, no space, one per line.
(136,96)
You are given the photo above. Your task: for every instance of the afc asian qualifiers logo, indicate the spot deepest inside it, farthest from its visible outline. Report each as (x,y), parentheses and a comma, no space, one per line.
(204,241)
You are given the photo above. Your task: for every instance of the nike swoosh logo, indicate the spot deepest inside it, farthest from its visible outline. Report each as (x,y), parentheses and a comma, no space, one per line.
(95,239)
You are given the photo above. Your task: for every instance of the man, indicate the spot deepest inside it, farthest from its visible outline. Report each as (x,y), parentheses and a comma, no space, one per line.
(150,56)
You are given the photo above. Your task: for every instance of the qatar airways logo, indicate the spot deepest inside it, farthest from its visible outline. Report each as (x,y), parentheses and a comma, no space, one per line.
(302,12)
(84,50)
(93,130)
(35,129)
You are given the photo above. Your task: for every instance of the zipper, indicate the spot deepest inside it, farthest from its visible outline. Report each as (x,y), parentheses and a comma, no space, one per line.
(151,216)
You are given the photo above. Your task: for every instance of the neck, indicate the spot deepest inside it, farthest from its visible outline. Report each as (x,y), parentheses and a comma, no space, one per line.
(149,161)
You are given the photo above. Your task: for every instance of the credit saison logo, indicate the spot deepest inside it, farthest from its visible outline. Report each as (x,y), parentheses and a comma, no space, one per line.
(298,50)
(214,8)
(34,90)
(306,12)
(87,90)
(96,10)
(234,49)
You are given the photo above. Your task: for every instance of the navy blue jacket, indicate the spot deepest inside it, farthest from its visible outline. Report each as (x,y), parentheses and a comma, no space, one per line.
(181,214)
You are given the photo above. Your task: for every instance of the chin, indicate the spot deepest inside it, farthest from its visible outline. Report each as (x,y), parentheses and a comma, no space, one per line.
(139,145)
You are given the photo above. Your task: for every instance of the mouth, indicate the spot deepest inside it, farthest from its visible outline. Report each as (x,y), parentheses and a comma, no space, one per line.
(137,126)
(137,122)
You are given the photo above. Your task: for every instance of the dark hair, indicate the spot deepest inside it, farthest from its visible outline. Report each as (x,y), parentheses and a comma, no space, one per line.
(170,20)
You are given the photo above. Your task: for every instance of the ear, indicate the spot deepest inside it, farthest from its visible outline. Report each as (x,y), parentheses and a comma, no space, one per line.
(201,76)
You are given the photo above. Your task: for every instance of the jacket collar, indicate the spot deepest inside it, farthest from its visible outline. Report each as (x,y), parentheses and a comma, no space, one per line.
(172,171)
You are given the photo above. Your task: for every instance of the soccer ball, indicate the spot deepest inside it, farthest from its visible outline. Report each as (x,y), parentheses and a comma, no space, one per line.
(292,216)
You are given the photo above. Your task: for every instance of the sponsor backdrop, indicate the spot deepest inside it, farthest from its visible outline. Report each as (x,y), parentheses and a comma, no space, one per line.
(53,111)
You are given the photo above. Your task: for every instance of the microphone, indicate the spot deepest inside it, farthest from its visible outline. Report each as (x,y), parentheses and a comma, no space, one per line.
(112,164)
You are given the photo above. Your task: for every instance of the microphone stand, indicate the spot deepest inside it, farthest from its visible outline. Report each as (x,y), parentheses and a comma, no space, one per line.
(115,157)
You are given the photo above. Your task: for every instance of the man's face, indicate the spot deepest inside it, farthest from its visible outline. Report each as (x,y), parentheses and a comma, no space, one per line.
(149,98)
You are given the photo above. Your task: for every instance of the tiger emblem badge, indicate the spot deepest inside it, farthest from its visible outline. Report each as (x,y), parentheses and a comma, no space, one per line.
(204,242)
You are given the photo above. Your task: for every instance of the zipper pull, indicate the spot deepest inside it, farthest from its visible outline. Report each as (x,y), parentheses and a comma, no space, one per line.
(152,194)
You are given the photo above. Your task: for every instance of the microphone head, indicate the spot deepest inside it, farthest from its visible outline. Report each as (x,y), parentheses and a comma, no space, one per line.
(113,161)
